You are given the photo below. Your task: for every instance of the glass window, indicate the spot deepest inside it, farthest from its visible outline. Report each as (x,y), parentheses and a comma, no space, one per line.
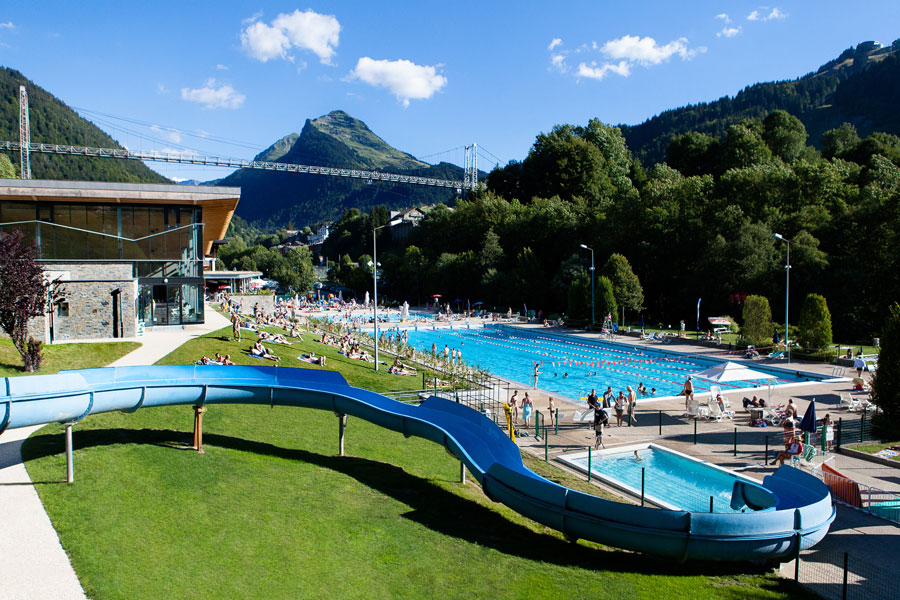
(12,212)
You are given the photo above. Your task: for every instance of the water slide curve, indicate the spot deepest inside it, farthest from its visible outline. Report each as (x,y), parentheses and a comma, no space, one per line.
(790,508)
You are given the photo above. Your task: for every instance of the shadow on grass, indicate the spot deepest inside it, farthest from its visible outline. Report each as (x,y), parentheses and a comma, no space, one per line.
(432,506)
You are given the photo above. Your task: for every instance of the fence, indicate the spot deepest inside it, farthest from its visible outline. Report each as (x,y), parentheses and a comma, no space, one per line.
(839,576)
(861,496)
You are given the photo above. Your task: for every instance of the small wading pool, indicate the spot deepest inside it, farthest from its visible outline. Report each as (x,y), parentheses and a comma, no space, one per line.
(671,479)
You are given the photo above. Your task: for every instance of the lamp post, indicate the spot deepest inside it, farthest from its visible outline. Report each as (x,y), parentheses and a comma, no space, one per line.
(787,288)
(592,282)
(375,287)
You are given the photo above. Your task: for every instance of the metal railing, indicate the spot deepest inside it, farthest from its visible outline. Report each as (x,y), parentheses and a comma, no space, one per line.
(837,575)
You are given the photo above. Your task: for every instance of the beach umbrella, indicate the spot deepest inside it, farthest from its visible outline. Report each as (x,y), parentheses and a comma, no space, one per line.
(731,371)
(808,422)
(477,303)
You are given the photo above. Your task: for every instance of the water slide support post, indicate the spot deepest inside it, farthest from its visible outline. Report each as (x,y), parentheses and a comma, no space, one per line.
(198,428)
(70,462)
(342,424)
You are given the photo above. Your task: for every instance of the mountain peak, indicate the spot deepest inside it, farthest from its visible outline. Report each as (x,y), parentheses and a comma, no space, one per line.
(357,136)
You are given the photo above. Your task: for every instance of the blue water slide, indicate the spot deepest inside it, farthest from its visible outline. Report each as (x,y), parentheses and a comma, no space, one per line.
(795,507)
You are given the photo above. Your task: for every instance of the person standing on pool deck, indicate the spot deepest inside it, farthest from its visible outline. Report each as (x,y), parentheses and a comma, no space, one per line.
(527,407)
(514,406)
(592,400)
(688,391)
(551,408)
(632,402)
(620,407)
(537,371)
(608,397)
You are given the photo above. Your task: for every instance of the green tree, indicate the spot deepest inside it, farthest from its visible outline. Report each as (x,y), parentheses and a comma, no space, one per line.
(606,300)
(785,135)
(886,383)
(7,169)
(757,325)
(815,322)
(836,142)
(625,284)
(580,298)
(744,146)
(491,251)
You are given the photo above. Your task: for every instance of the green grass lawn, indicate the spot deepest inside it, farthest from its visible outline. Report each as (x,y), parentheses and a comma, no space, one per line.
(270,511)
(873,448)
(58,357)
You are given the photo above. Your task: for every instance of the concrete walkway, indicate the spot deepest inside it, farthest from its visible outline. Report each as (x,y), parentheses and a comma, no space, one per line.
(33,564)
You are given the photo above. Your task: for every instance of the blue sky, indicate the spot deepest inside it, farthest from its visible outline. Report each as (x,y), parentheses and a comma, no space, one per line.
(427,77)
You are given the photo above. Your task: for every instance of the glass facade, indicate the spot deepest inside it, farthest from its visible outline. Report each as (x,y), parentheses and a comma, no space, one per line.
(163,243)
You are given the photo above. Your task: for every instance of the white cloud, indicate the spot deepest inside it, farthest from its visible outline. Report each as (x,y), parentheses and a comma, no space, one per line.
(622,55)
(729,32)
(210,96)
(263,42)
(558,62)
(170,134)
(7,25)
(405,79)
(162,89)
(307,30)
(554,43)
(724,17)
(592,71)
(761,16)
(646,51)
(221,67)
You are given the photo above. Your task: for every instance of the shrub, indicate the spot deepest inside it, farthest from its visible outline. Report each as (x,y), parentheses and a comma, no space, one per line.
(815,322)
(757,315)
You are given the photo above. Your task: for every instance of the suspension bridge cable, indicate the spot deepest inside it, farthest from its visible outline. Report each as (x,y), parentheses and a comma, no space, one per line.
(482,148)
(439,153)
(248,145)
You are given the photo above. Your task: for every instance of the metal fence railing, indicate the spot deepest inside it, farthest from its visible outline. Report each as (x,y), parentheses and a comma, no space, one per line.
(862,497)
(836,575)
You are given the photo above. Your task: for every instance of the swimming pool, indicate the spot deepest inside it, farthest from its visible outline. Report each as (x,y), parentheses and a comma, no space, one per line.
(571,366)
(671,479)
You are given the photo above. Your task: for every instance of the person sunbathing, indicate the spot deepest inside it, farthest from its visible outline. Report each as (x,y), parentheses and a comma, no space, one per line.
(312,358)
(261,351)
(276,338)
(794,448)
(227,360)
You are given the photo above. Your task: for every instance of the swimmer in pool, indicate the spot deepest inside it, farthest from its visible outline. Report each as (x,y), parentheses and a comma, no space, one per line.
(637,457)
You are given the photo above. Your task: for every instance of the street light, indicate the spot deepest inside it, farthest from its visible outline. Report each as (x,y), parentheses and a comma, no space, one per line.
(787,288)
(592,282)
(375,287)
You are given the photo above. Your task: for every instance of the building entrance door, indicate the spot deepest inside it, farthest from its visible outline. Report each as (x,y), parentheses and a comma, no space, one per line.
(160,305)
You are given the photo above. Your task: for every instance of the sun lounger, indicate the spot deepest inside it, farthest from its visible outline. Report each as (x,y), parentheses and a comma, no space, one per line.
(695,411)
(777,354)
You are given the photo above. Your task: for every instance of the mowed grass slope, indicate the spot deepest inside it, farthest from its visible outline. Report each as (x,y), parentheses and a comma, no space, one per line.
(271,511)
(63,356)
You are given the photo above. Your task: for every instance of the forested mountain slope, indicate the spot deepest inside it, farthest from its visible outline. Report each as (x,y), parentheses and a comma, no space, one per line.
(54,122)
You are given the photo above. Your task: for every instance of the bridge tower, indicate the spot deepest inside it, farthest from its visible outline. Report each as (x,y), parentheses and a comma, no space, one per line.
(24,134)
(470,170)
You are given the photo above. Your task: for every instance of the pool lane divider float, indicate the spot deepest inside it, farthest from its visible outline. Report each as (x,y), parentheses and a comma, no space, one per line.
(646,372)
(798,516)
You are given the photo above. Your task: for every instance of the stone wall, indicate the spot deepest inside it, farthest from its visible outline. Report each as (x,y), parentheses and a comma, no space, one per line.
(87,309)
(266,302)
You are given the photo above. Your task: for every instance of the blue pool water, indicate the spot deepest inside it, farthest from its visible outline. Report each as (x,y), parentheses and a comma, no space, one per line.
(572,367)
(676,480)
